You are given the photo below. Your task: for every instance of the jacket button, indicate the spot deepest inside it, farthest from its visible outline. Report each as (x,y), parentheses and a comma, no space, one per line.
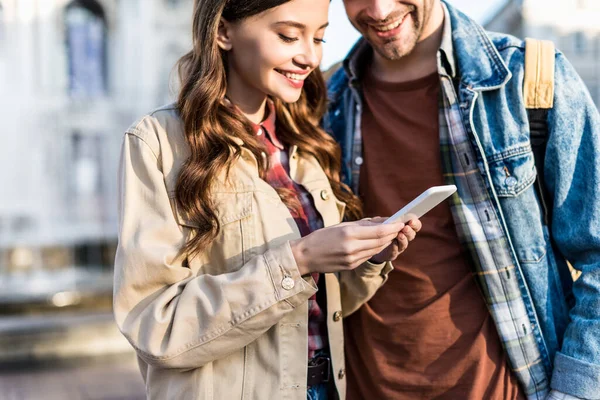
(358,161)
(342,373)
(288,283)
(325,195)
(511,181)
(337,316)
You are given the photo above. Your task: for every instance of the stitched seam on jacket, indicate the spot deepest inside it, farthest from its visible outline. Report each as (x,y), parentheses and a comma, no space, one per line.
(135,134)
(209,336)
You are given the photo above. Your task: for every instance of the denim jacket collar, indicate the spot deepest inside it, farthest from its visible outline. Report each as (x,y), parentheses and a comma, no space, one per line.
(471,55)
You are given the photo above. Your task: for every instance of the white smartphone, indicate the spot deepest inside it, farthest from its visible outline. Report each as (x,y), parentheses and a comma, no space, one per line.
(422,204)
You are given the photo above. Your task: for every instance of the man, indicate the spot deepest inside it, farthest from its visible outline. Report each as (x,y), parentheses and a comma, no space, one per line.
(482,306)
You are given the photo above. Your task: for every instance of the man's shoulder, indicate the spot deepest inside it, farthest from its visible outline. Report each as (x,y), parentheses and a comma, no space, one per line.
(337,80)
(505,42)
(509,45)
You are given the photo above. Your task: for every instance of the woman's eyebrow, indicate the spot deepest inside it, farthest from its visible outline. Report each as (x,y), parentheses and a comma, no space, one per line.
(296,24)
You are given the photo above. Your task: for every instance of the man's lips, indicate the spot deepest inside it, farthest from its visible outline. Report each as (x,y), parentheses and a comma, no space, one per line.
(390,29)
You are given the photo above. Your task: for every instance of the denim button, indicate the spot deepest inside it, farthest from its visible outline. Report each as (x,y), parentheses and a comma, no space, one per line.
(337,112)
(511,181)
(359,161)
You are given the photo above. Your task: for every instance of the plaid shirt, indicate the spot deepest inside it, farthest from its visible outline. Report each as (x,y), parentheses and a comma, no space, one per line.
(307,217)
(481,232)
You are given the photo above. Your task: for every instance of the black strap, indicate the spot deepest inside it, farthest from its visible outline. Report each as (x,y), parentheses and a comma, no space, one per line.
(538,131)
(319,371)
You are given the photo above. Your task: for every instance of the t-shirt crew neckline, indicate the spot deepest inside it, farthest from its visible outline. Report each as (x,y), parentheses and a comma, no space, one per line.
(416,84)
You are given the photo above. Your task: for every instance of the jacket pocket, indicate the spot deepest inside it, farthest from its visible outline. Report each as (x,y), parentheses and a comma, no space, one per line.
(513,171)
(513,174)
(230,250)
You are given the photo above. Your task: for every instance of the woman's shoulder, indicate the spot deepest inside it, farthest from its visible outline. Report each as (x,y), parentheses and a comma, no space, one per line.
(161,129)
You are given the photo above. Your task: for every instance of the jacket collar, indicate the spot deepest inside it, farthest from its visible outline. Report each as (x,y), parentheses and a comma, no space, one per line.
(470,54)
(268,125)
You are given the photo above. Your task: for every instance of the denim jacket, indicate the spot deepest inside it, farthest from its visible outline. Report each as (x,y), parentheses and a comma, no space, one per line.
(489,81)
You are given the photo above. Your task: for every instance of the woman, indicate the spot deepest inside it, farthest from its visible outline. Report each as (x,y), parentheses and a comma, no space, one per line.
(233,271)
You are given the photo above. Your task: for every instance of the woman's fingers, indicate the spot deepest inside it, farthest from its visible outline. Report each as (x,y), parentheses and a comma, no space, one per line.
(402,242)
(415,224)
(409,232)
(368,229)
(391,252)
(374,244)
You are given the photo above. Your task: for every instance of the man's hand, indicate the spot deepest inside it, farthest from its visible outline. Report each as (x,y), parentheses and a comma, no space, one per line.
(406,235)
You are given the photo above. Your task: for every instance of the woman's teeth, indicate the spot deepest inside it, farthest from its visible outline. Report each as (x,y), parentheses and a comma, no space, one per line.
(292,76)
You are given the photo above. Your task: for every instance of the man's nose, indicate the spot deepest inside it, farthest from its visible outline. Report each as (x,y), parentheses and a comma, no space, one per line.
(379,10)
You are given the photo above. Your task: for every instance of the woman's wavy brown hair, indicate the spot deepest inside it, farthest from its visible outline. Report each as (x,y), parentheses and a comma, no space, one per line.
(210,122)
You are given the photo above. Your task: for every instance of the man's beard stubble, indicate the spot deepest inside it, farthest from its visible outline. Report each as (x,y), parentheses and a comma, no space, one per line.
(395,48)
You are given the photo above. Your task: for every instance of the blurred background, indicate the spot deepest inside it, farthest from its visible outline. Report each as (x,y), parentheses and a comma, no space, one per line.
(74,74)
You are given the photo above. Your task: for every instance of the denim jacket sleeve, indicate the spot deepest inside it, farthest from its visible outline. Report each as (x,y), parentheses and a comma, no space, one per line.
(572,171)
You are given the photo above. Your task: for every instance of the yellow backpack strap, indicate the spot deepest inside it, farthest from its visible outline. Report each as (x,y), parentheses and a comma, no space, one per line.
(538,88)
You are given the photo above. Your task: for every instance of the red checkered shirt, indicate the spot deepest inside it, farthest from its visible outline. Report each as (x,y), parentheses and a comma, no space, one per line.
(307,218)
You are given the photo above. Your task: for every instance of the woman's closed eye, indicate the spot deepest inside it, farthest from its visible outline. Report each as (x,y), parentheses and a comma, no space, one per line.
(287,39)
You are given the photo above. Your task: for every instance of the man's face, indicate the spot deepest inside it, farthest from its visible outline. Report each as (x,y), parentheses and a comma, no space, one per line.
(392,27)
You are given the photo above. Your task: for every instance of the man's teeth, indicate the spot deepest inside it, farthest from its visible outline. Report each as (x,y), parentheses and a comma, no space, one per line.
(389,27)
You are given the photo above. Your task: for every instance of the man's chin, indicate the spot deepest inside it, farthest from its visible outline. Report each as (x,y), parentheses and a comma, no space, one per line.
(393,48)
(393,51)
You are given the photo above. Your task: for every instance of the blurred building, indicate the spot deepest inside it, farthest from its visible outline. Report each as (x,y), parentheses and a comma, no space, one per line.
(73,76)
(571,24)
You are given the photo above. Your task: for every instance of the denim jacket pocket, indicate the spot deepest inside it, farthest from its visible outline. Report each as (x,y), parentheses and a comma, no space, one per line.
(513,174)
(513,171)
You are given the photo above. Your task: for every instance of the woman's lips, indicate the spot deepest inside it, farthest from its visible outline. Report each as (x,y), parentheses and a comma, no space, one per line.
(295,79)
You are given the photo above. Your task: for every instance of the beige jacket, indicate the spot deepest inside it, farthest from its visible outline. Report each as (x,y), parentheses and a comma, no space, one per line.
(230,323)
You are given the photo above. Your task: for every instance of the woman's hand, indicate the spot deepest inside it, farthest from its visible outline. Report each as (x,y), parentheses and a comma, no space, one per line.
(406,235)
(344,246)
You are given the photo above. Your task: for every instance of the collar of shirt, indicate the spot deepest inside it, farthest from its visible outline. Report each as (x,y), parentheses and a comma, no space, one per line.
(446,54)
(267,126)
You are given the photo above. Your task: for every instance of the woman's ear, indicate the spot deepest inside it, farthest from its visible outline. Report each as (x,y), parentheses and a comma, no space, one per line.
(223,35)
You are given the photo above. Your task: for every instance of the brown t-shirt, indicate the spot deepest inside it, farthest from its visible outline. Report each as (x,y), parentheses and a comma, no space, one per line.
(426,334)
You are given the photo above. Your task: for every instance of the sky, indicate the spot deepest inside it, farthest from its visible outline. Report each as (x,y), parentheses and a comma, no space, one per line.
(341,35)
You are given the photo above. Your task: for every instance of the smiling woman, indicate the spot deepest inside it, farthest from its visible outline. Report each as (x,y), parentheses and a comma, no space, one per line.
(231,217)
(263,49)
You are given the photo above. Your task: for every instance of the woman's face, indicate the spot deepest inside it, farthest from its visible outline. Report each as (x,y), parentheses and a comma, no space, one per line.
(272,53)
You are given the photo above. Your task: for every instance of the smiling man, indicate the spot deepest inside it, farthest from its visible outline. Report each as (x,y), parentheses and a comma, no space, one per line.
(482,306)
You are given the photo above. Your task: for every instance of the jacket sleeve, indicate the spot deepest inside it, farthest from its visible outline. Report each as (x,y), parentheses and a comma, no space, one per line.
(359,285)
(173,317)
(572,172)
